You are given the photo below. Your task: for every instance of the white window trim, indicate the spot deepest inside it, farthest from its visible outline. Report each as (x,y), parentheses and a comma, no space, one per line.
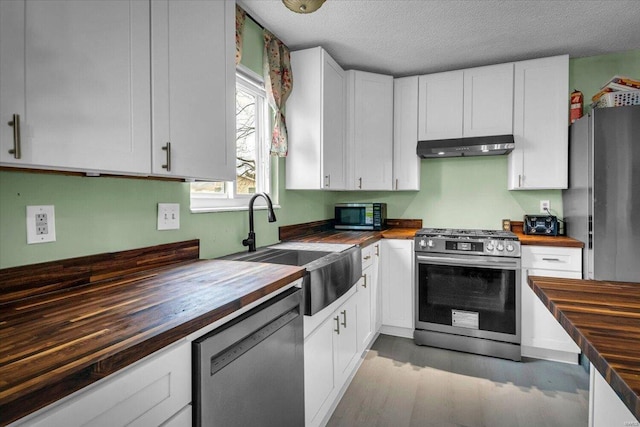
(201,203)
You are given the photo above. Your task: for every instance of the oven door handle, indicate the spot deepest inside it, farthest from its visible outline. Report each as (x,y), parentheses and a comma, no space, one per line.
(468,262)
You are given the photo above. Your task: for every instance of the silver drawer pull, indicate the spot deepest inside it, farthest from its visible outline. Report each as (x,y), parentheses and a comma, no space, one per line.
(344,315)
(167,148)
(366,257)
(337,319)
(551,259)
(364,285)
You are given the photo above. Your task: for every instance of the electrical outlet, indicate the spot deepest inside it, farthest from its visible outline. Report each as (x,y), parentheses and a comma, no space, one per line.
(544,206)
(168,216)
(41,224)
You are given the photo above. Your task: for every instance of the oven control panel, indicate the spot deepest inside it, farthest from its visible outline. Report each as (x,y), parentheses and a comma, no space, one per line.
(493,247)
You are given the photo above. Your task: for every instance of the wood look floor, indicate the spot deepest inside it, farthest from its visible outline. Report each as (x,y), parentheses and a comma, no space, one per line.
(401,384)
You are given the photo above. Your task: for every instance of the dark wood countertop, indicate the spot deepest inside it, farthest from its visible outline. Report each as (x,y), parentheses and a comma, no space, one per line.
(58,342)
(560,241)
(603,318)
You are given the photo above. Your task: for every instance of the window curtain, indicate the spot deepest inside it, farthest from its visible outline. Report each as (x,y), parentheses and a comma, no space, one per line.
(278,84)
(240,17)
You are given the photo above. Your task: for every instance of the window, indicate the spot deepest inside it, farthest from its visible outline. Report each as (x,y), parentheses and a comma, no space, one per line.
(252,151)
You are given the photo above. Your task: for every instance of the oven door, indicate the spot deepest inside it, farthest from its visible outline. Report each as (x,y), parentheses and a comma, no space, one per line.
(469,295)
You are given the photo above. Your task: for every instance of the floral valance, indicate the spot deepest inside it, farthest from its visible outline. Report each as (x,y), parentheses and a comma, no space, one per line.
(278,84)
(240,17)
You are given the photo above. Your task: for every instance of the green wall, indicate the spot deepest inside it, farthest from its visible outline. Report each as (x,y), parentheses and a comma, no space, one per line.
(589,74)
(95,215)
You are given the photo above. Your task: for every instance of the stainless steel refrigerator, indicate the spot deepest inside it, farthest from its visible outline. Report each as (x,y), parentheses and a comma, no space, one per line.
(602,204)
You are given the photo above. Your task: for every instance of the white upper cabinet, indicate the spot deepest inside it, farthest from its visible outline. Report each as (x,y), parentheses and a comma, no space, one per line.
(466,103)
(193,89)
(488,100)
(369,130)
(77,74)
(440,106)
(406,163)
(316,122)
(540,124)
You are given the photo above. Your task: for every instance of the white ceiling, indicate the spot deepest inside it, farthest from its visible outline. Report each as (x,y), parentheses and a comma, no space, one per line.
(409,37)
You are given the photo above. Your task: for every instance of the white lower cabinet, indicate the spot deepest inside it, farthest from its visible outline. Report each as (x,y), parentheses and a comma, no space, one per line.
(153,391)
(367,299)
(396,283)
(330,356)
(542,336)
(606,409)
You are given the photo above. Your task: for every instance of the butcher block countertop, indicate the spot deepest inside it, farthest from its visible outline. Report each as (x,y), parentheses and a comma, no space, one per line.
(90,319)
(561,241)
(603,318)
(323,232)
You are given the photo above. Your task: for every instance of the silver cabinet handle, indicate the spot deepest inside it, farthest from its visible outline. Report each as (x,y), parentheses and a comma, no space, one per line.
(396,183)
(360,182)
(15,123)
(327,180)
(167,148)
(366,257)
(337,319)
(519,180)
(377,250)
(551,259)
(344,315)
(364,285)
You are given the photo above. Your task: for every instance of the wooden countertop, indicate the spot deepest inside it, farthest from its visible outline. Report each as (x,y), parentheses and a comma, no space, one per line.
(58,342)
(603,318)
(562,241)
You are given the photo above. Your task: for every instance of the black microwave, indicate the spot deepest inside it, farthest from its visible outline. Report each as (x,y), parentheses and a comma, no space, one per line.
(360,216)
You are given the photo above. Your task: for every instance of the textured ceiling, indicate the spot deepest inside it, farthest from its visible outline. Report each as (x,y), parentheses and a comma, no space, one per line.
(409,37)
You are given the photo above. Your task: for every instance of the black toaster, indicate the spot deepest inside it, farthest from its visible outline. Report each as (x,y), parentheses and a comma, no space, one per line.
(544,225)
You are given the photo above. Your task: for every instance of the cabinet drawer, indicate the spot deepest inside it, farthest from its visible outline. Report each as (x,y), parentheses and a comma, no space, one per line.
(148,393)
(368,253)
(552,258)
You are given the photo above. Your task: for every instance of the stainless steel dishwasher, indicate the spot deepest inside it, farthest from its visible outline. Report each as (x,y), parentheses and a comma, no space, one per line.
(250,372)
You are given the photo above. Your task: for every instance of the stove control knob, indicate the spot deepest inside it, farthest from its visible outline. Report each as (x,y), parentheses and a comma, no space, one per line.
(422,243)
(510,247)
(490,246)
(500,247)
(430,243)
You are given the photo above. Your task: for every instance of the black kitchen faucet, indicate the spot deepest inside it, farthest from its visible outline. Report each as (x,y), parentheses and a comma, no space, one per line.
(251,238)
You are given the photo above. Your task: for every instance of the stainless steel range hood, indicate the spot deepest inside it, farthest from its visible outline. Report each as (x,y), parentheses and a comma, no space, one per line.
(465,147)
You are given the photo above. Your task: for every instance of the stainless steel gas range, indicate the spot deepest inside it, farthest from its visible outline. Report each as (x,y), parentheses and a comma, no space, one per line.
(467,287)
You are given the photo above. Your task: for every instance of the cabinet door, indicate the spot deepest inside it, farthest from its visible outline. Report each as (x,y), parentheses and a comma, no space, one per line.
(606,409)
(346,339)
(318,368)
(540,124)
(440,105)
(333,124)
(488,100)
(77,73)
(396,280)
(406,163)
(370,139)
(316,121)
(366,321)
(193,89)
(540,329)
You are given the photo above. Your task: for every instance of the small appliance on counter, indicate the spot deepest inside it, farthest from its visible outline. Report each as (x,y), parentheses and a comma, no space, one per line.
(360,216)
(543,225)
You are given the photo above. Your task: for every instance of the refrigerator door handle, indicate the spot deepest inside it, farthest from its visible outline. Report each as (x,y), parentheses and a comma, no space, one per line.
(590,233)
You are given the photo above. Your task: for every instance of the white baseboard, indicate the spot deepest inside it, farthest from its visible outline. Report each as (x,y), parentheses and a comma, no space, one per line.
(397,331)
(552,355)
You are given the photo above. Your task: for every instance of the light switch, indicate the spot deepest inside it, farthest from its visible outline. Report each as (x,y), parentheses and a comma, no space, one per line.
(168,216)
